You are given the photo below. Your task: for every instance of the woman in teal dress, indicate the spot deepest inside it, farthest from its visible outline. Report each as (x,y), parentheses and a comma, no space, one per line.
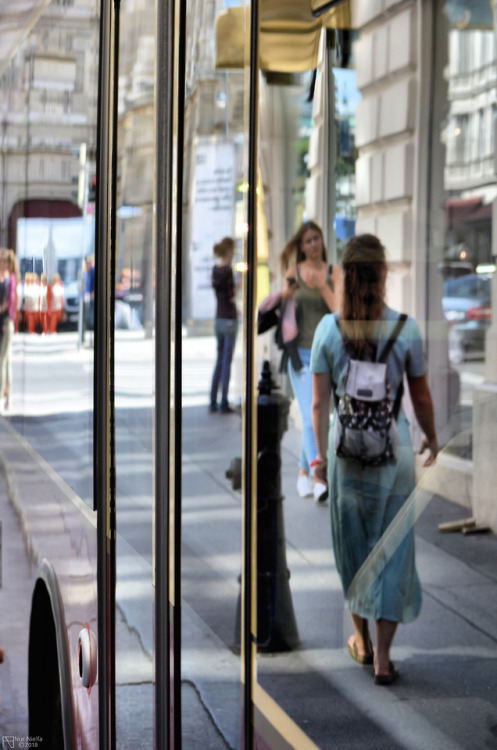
(365,499)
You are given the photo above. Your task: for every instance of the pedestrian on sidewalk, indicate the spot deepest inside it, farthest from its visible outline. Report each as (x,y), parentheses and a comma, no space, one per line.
(315,285)
(31,302)
(8,293)
(226,324)
(55,302)
(364,499)
(44,292)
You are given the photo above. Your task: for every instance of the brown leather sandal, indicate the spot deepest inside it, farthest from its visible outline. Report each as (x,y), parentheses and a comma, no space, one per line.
(387,679)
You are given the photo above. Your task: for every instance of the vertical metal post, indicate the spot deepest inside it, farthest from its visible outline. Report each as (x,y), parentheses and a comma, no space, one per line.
(171,41)
(250,421)
(103,414)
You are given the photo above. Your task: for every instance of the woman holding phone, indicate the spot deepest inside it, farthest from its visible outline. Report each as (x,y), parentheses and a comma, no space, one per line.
(316,286)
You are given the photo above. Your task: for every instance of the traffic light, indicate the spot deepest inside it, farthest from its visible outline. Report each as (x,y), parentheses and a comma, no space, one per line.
(82,174)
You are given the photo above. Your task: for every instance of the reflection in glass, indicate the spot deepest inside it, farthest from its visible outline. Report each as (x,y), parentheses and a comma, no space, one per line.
(213,209)
(469,189)
(48,84)
(47,162)
(134,378)
(446,284)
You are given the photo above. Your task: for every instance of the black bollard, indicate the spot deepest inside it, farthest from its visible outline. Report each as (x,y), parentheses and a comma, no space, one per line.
(276,624)
(235,473)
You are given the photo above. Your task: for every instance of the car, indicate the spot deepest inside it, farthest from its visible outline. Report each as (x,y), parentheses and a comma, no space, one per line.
(467,307)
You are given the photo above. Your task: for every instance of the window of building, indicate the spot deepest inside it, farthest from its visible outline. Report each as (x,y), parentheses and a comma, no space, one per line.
(481,133)
(460,135)
(493,125)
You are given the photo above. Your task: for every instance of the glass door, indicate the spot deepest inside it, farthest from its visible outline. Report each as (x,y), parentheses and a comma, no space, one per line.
(213,381)
(132,314)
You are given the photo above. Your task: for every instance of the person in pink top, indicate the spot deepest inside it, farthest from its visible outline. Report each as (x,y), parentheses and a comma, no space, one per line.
(8,294)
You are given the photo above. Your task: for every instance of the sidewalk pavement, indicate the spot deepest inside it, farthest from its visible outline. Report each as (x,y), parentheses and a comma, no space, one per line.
(447,695)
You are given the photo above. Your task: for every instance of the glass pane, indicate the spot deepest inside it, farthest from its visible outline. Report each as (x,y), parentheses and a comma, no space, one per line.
(213,380)
(398,144)
(135,377)
(48,84)
(467,266)
(308,171)
(49,143)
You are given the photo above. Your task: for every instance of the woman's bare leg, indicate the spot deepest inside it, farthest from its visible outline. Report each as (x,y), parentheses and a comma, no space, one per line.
(361,636)
(385,631)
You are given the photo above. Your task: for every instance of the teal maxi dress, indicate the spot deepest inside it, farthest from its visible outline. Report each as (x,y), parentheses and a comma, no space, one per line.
(365,500)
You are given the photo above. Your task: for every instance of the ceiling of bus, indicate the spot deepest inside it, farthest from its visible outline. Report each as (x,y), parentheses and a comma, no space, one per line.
(16,21)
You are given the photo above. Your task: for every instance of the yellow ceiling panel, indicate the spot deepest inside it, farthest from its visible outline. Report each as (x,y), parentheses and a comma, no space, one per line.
(290,52)
(289,34)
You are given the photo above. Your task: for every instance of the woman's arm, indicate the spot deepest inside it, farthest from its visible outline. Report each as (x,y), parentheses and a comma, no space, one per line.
(423,409)
(321,391)
(290,285)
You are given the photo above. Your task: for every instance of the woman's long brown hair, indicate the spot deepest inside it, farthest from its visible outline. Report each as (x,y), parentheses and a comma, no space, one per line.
(292,252)
(364,281)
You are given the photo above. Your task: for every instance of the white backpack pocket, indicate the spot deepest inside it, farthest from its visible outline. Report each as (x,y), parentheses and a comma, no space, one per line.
(366,381)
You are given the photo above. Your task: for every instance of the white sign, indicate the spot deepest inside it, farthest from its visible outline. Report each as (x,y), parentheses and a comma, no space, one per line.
(213,219)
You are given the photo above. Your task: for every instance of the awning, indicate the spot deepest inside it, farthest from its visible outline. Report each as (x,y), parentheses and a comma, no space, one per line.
(467,211)
(289,34)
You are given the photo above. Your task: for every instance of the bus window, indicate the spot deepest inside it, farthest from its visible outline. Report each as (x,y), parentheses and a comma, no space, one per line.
(134,404)
(49,93)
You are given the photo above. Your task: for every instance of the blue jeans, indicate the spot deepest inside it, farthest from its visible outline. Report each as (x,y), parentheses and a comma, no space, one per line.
(225,330)
(301,381)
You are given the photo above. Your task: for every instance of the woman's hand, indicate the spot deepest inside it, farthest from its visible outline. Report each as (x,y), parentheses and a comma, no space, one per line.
(320,466)
(432,446)
(289,288)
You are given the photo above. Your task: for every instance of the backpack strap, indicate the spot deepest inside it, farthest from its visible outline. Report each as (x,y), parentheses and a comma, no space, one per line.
(336,316)
(398,399)
(330,278)
(383,358)
(393,338)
